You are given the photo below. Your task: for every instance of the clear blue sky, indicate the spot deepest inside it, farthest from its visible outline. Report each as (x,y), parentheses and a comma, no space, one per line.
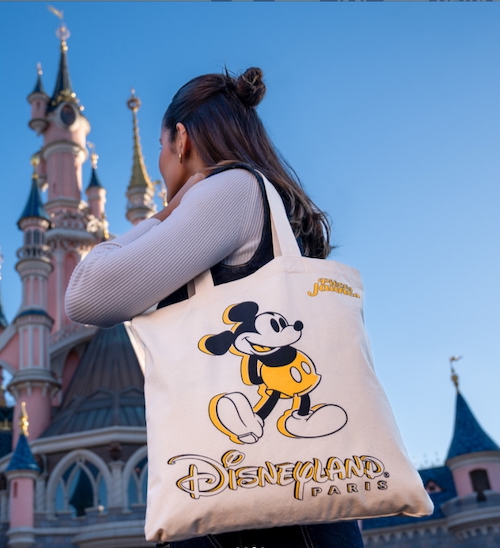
(390,114)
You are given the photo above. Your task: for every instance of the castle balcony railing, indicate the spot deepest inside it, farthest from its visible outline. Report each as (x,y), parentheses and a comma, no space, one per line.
(39,251)
(471,514)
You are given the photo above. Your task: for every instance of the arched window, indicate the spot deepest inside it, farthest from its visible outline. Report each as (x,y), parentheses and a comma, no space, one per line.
(80,487)
(138,483)
(480,482)
(27,238)
(36,237)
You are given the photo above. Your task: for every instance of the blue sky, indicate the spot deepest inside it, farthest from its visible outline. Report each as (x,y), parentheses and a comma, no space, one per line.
(389,114)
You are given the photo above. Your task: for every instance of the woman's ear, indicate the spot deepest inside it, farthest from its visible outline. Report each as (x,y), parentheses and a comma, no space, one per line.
(182,141)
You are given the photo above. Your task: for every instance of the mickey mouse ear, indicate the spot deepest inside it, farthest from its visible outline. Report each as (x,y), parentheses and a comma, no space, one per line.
(242,312)
(217,345)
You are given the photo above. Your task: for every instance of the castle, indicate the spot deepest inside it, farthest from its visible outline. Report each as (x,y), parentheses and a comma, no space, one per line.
(76,475)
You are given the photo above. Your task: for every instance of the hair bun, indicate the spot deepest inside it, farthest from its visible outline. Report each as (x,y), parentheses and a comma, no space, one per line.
(250,87)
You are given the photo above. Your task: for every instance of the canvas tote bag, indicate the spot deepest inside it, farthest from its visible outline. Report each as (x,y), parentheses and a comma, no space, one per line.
(262,404)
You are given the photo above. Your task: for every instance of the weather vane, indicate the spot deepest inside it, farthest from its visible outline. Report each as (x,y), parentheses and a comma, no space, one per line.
(62,32)
(454,376)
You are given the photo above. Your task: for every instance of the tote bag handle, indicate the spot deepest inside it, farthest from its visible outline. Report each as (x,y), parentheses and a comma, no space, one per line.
(284,242)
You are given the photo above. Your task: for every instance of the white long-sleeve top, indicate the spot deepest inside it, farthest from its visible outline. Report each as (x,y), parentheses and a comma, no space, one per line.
(219,219)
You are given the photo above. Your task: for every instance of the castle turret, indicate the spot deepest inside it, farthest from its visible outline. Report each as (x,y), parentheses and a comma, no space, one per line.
(140,191)
(473,457)
(474,461)
(34,381)
(21,474)
(96,193)
(63,152)
(39,100)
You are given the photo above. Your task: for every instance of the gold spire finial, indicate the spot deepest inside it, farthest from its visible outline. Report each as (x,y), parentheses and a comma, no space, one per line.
(134,103)
(140,177)
(39,69)
(35,161)
(93,155)
(23,420)
(454,376)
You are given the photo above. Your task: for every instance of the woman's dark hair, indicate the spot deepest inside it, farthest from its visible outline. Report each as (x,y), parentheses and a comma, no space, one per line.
(219,114)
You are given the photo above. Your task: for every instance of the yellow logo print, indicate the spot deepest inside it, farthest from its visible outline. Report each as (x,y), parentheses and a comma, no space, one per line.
(207,477)
(324,284)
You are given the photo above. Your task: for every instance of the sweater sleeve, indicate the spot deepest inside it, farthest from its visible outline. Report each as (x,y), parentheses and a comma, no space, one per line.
(122,278)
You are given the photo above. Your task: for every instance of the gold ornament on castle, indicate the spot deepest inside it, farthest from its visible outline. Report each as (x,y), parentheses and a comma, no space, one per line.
(23,420)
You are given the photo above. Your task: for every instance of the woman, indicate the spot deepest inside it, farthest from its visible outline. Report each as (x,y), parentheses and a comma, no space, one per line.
(217,218)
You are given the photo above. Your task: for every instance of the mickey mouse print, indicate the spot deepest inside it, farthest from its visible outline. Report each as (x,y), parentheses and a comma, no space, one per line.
(270,360)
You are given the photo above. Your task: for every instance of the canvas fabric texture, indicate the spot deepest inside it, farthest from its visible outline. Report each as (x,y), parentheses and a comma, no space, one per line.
(262,405)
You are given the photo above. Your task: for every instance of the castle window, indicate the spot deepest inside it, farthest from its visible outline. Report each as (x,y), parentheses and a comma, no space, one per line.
(432,487)
(27,239)
(138,482)
(480,482)
(81,487)
(36,239)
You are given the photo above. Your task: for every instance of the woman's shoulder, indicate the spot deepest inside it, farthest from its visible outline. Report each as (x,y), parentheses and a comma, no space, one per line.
(238,175)
(228,185)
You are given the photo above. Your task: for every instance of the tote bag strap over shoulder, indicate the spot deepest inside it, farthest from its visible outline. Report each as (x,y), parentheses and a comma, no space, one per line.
(284,242)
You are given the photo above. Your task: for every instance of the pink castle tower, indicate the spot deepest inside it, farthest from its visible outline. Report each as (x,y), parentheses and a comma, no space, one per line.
(75,228)
(56,237)
(140,190)
(34,381)
(21,473)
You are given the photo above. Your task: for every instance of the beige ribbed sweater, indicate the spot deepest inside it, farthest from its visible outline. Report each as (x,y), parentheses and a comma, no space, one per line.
(219,219)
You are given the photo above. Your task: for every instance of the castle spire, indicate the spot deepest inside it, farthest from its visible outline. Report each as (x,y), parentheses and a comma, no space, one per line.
(39,85)
(38,100)
(63,90)
(94,179)
(21,473)
(23,459)
(96,193)
(140,190)
(34,206)
(468,436)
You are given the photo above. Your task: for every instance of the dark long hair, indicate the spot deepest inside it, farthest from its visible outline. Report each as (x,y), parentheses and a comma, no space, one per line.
(219,114)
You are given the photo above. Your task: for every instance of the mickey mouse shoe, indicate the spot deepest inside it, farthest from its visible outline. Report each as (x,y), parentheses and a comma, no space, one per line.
(322,420)
(233,415)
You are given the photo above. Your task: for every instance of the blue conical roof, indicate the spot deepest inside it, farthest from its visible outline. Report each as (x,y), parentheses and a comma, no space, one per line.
(94,180)
(63,80)
(468,436)
(23,459)
(39,86)
(34,205)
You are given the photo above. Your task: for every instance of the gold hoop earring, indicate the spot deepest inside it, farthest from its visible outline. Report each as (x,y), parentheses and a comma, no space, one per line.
(180,157)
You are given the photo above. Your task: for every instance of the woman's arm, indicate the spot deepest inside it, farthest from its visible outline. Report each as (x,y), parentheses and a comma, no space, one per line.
(120,279)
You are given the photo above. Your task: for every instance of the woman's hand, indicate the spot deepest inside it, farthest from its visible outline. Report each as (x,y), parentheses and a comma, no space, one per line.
(176,200)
